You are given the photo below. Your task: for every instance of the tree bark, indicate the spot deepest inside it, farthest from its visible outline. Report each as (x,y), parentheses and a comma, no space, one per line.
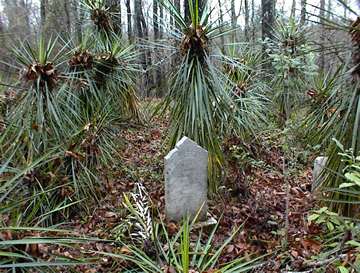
(67,18)
(303,12)
(329,9)
(155,19)
(142,33)
(161,21)
(43,6)
(221,22)
(177,6)
(78,20)
(233,20)
(322,34)
(247,38)
(293,9)
(268,10)
(129,21)
(253,20)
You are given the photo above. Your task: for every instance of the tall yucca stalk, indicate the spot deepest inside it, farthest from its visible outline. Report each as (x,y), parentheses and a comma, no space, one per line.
(199,94)
(343,123)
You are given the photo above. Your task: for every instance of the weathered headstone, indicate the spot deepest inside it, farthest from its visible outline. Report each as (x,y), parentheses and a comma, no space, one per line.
(186,180)
(319,165)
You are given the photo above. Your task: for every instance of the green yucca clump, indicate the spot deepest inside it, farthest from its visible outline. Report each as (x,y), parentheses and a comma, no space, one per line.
(337,117)
(200,98)
(244,70)
(60,131)
(294,65)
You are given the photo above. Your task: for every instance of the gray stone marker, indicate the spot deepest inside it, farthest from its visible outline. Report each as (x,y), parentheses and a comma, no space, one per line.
(319,165)
(186,180)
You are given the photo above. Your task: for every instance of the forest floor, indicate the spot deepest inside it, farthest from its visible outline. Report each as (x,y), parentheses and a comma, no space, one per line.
(254,196)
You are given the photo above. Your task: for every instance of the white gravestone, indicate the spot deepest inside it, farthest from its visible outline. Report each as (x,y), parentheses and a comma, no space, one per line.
(186,173)
(319,165)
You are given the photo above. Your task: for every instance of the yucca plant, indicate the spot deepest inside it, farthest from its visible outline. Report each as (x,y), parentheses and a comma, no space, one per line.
(344,121)
(249,90)
(293,63)
(323,98)
(181,254)
(26,249)
(103,16)
(199,98)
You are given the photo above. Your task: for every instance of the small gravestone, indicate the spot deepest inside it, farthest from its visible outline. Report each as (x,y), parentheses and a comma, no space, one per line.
(186,180)
(319,165)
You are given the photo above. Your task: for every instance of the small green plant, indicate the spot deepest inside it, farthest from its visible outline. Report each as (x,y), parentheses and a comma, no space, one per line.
(340,242)
(181,254)
(326,217)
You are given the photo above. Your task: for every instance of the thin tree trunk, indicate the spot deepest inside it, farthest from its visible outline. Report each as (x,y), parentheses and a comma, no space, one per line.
(247,20)
(221,22)
(161,31)
(303,12)
(67,17)
(142,33)
(129,21)
(155,19)
(233,20)
(187,11)
(293,8)
(158,72)
(322,34)
(267,18)
(253,20)
(25,14)
(329,9)
(177,6)
(78,20)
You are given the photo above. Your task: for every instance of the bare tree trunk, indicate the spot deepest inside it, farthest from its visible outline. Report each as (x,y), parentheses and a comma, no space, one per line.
(267,18)
(43,6)
(303,12)
(78,20)
(155,19)
(345,9)
(187,11)
(247,20)
(253,20)
(293,8)
(25,14)
(322,34)
(221,22)
(329,9)
(67,18)
(158,72)
(161,21)
(233,20)
(177,6)
(129,21)
(143,33)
